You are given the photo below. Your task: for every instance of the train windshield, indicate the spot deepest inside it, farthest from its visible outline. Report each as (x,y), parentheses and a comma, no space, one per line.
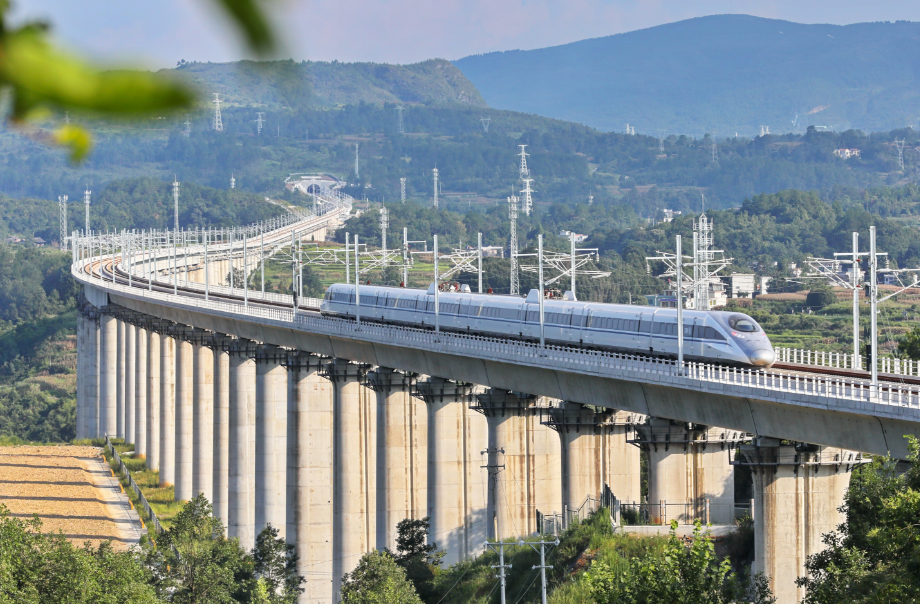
(742,323)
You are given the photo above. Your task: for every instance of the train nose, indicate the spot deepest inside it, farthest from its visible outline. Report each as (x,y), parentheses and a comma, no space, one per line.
(763,357)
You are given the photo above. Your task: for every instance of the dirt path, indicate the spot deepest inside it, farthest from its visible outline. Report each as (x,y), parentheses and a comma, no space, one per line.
(72,490)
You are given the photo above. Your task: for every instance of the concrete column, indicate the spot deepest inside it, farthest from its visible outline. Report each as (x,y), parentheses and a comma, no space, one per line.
(688,465)
(457,437)
(354,497)
(241,518)
(203,426)
(108,375)
(129,371)
(402,453)
(595,453)
(80,428)
(167,410)
(309,476)
(140,393)
(520,449)
(221,430)
(271,438)
(91,427)
(184,443)
(798,489)
(154,341)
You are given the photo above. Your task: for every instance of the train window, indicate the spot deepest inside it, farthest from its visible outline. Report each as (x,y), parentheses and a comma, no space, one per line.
(533,316)
(510,313)
(645,326)
(742,323)
(328,295)
(658,328)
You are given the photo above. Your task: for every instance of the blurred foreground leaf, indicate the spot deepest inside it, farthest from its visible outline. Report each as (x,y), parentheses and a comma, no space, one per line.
(76,139)
(252,21)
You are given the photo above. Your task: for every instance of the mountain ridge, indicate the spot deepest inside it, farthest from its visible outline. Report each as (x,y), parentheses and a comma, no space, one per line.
(722,73)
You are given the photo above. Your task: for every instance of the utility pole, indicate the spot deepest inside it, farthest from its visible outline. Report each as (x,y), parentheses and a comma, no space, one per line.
(541,294)
(347,262)
(402,189)
(513,245)
(542,566)
(62,211)
(86,196)
(680,307)
(357,172)
(479,248)
(384,223)
(188,127)
(437,288)
(873,310)
(501,566)
(357,285)
(258,122)
(218,123)
(175,191)
(405,258)
(399,120)
(435,173)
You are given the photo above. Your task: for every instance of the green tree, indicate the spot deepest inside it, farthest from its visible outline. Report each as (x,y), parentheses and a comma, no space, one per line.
(420,558)
(194,562)
(820,296)
(681,574)
(874,557)
(378,579)
(909,345)
(275,566)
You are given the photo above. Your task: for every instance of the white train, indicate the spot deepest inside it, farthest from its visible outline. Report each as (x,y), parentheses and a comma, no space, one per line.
(709,336)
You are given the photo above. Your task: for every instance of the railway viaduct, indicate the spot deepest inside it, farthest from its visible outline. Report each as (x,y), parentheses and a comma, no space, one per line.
(333,430)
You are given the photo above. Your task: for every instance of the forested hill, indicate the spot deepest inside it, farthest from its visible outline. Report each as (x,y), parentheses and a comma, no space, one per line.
(722,73)
(317,84)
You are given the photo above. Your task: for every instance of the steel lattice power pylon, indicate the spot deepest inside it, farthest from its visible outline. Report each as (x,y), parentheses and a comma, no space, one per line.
(515,282)
(62,210)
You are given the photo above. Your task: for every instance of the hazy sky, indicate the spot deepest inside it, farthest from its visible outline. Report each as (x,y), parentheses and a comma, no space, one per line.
(160,32)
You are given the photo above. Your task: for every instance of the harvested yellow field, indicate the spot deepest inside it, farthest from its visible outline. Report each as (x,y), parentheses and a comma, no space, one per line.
(71,489)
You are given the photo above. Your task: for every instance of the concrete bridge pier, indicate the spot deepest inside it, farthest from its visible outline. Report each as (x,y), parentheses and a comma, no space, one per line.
(108,376)
(457,500)
(309,473)
(203,416)
(129,373)
(241,498)
(81,377)
(402,453)
(120,407)
(271,439)
(595,452)
(220,429)
(88,376)
(184,416)
(354,493)
(689,464)
(140,392)
(524,462)
(798,489)
(154,352)
(168,347)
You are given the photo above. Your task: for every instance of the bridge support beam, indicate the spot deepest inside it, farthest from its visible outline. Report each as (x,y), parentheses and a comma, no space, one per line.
(129,373)
(595,453)
(309,473)
(402,453)
(524,463)
(108,375)
(457,498)
(797,490)
(91,390)
(154,400)
(82,411)
(140,392)
(184,419)
(221,427)
(690,471)
(241,514)
(203,427)
(120,407)
(271,439)
(354,498)
(167,410)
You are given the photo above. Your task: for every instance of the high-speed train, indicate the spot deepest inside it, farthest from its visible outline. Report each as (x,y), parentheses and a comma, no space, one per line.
(709,336)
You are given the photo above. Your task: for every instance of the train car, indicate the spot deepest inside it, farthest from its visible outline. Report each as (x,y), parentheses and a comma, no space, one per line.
(709,336)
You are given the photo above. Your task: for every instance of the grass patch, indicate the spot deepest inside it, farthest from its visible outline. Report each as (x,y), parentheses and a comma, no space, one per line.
(161,499)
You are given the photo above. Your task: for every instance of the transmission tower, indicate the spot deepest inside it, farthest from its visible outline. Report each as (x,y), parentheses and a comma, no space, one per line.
(232,182)
(591,199)
(218,123)
(900,146)
(384,223)
(402,189)
(764,130)
(258,122)
(485,123)
(357,174)
(399,120)
(715,149)
(435,173)
(86,196)
(660,143)
(528,200)
(513,245)
(62,206)
(188,127)
(176,202)
(524,171)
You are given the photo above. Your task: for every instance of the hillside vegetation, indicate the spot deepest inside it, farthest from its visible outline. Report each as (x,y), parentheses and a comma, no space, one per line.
(722,73)
(317,84)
